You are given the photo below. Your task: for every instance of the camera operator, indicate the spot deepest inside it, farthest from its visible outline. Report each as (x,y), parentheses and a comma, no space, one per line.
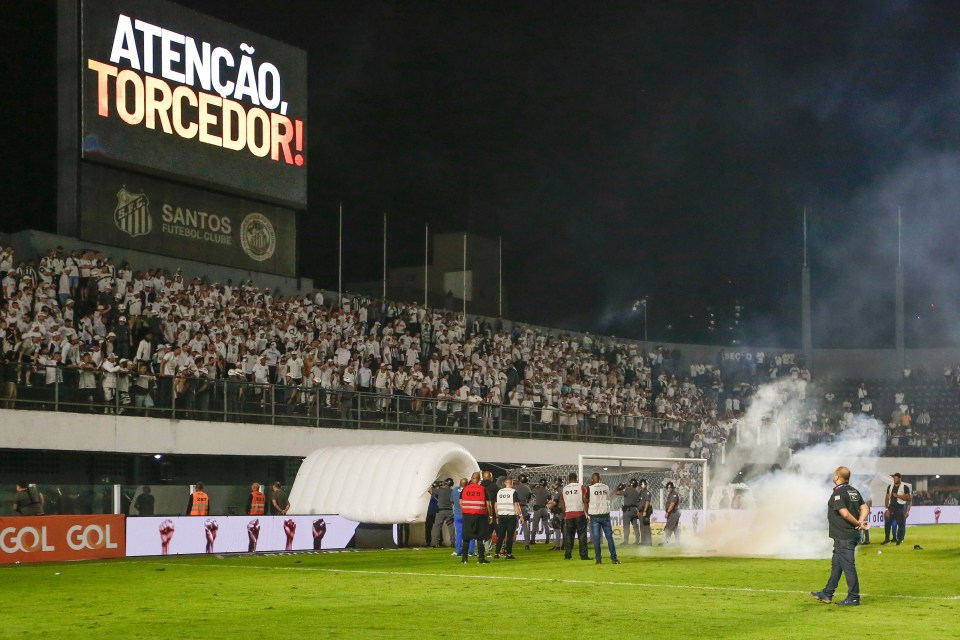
(431,513)
(442,492)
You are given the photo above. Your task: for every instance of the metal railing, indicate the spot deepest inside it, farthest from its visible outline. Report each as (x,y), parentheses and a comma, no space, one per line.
(237,400)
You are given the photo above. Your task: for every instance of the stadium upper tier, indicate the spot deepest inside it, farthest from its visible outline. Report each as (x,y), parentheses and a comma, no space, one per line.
(81,333)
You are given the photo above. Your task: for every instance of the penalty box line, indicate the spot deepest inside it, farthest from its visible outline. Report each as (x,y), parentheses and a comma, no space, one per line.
(611,583)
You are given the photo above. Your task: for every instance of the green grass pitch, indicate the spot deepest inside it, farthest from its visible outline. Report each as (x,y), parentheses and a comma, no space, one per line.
(427,593)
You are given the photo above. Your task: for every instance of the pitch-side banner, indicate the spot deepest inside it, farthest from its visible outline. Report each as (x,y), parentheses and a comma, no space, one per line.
(235,534)
(131,210)
(938,514)
(179,94)
(55,538)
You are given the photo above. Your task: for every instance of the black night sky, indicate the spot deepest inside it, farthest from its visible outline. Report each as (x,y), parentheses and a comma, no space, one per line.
(622,150)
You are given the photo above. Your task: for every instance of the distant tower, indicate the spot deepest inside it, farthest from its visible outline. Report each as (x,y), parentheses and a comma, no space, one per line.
(806,328)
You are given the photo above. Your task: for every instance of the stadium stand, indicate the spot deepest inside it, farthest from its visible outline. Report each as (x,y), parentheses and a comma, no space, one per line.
(84,334)
(81,333)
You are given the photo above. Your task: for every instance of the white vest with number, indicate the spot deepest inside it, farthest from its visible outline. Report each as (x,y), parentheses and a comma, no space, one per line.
(599,499)
(505,502)
(573,497)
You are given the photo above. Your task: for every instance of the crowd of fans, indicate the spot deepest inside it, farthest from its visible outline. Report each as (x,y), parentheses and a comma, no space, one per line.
(830,408)
(98,334)
(81,330)
(910,429)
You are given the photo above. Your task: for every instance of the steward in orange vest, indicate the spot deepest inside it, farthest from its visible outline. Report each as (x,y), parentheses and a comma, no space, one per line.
(257,502)
(199,504)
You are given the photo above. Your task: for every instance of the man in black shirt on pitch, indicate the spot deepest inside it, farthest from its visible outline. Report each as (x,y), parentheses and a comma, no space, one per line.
(847,515)
(491,488)
(631,509)
(523,496)
(541,515)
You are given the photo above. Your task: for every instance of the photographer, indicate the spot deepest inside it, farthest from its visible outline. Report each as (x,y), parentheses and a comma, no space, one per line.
(28,501)
(442,492)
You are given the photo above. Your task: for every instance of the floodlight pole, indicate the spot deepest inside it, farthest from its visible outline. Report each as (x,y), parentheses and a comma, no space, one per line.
(500,279)
(426,264)
(806,326)
(899,320)
(340,261)
(384,257)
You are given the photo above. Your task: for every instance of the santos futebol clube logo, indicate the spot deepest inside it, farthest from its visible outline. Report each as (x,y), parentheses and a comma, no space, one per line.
(257,237)
(132,213)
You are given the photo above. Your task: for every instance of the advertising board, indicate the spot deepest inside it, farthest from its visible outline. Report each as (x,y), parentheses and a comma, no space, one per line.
(236,534)
(57,538)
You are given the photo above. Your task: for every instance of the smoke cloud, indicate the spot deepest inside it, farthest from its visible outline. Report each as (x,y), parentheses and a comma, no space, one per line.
(786,517)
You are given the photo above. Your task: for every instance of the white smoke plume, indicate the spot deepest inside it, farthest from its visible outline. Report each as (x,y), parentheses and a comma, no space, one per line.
(787,513)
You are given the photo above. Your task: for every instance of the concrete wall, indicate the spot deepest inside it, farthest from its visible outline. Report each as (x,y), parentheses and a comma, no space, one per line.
(121,434)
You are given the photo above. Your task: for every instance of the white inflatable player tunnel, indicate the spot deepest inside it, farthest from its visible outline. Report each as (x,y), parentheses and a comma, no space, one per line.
(378,484)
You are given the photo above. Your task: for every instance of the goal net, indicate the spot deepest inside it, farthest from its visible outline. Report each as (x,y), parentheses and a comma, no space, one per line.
(688,475)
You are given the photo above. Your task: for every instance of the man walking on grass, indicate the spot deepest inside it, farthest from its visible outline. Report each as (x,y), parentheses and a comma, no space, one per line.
(847,515)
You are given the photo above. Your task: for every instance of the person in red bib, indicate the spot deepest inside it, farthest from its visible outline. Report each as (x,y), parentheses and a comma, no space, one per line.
(476,510)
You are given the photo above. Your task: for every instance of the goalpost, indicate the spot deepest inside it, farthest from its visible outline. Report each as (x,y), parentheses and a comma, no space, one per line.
(689,476)
(654,464)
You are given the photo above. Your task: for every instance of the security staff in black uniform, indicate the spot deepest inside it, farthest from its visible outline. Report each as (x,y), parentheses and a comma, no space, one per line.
(541,515)
(847,515)
(671,506)
(631,509)
(646,510)
(556,515)
(523,497)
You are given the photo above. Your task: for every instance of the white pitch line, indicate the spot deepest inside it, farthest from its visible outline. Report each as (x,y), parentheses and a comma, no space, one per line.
(612,583)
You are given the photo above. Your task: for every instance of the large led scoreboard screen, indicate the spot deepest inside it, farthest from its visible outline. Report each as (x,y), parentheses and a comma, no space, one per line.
(172,92)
